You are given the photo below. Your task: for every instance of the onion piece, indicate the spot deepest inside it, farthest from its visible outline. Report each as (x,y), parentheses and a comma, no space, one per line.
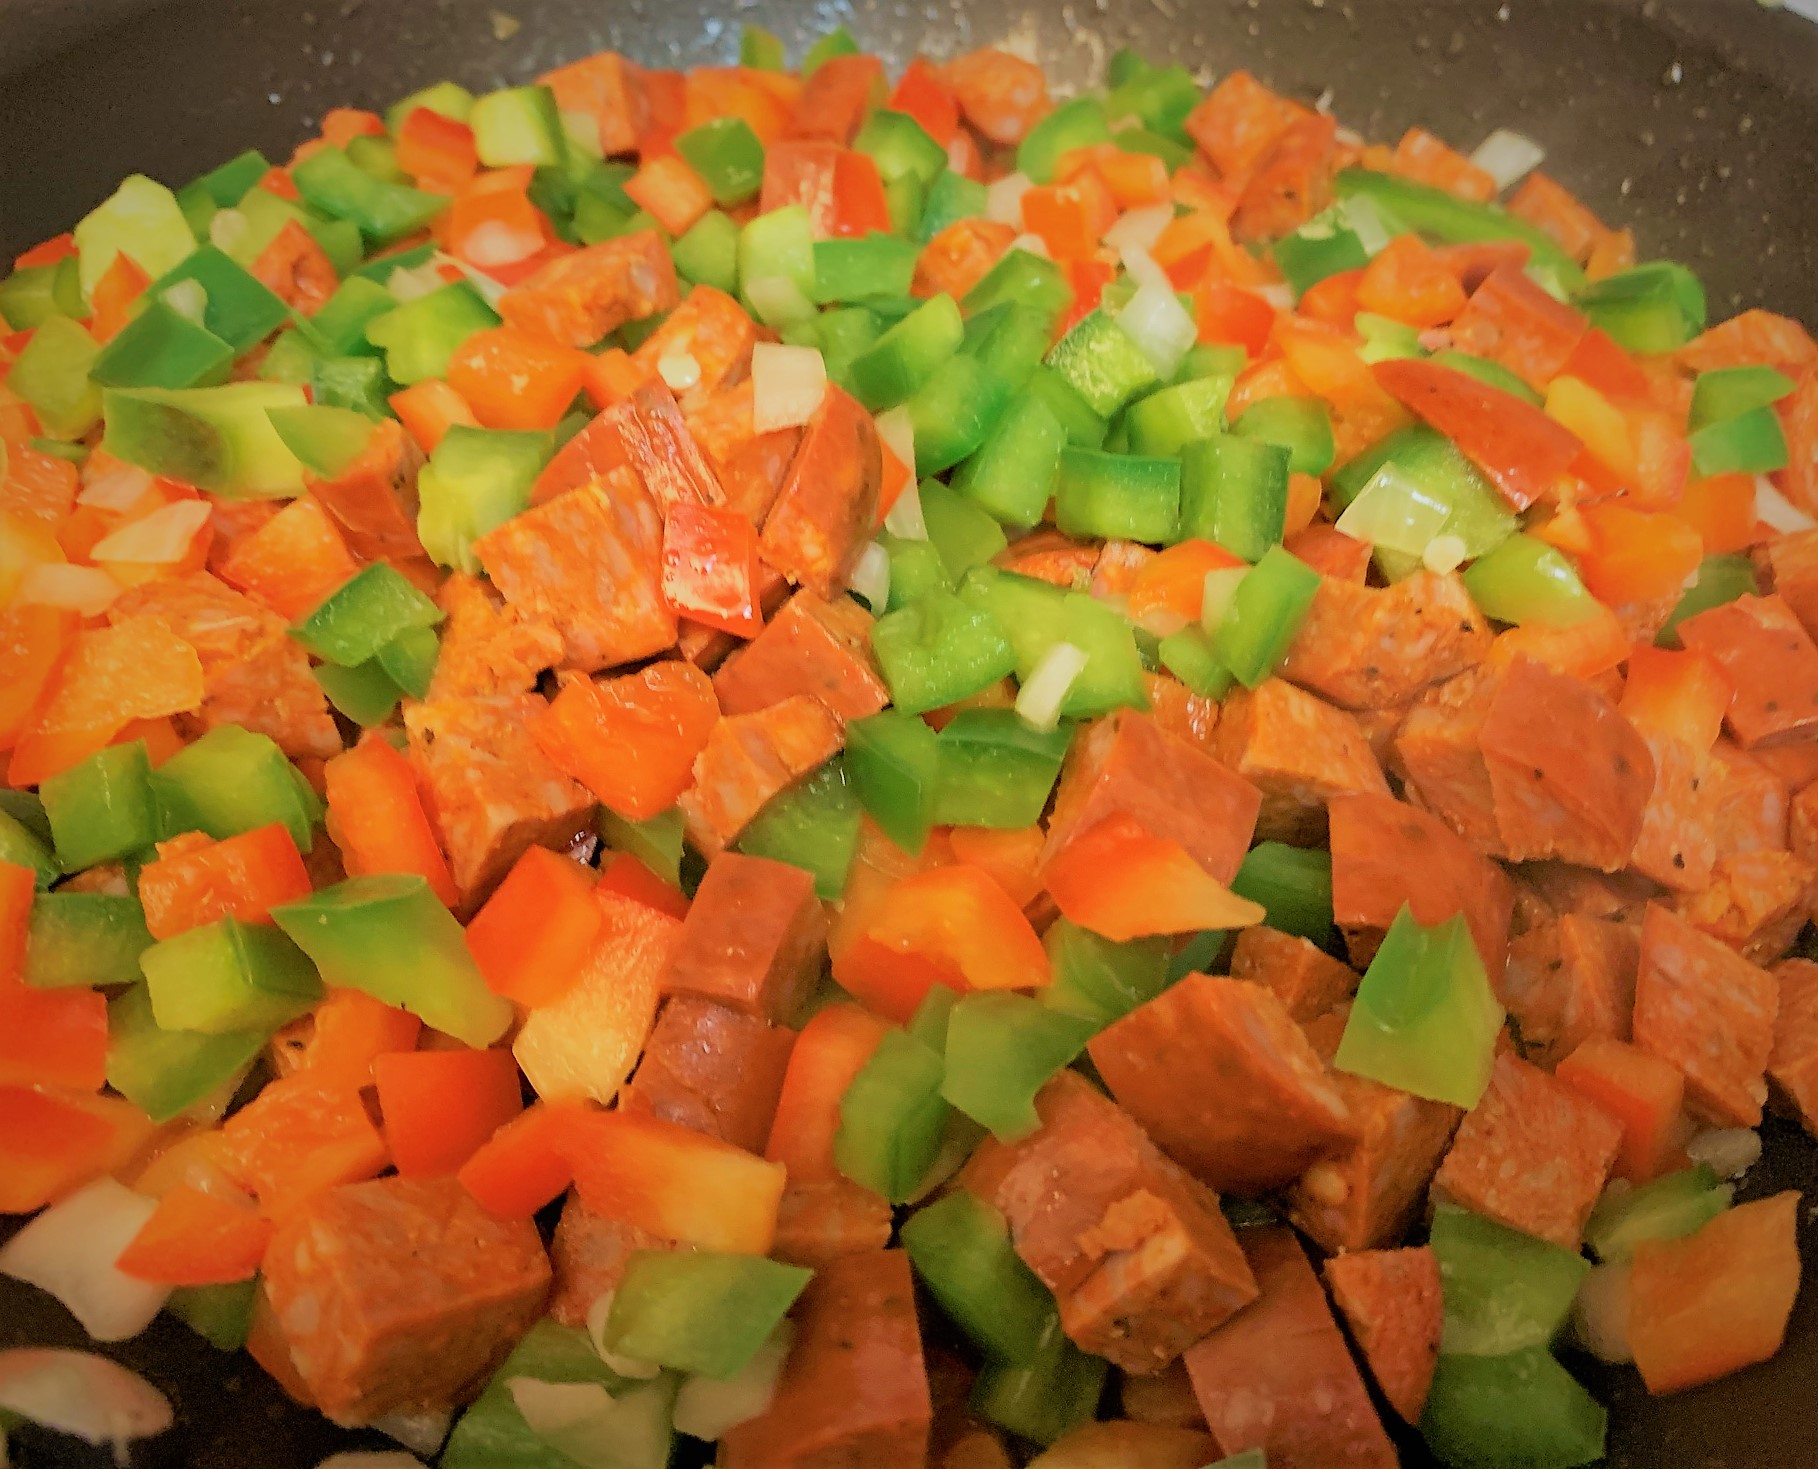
(87,590)
(492,243)
(1394,512)
(871,578)
(158,539)
(1030,245)
(69,1250)
(709,1409)
(1143,269)
(1038,702)
(679,371)
(188,298)
(897,429)
(421,1432)
(118,487)
(1600,1313)
(1004,199)
(1278,294)
(787,385)
(582,132)
(598,1314)
(84,1396)
(1444,553)
(1778,511)
(490,290)
(1158,324)
(1367,224)
(1730,1151)
(905,520)
(1508,157)
(594,1428)
(1221,591)
(1140,227)
(412,283)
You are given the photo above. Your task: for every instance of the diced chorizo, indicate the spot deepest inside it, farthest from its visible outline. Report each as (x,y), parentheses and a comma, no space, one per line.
(1557,212)
(490,789)
(1299,751)
(401,1293)
(1385,854)
(1802,823)
(1278,1376)
(712,329)
(1799,422)
(1181,712)
(1756,903)
(1532,1154)
(1140,1260)
(1569,980)
(751,466)
(657,443)
(1437,755)
(1772,663)
(1793,1061)
(1428,160)
(1115,571)
(855,1388)
(1050,556)
(1750,338)
(1292,181)
(836,97)
(577,299)
(590,564)
(961,256)
(1792,561)
(751,758)
(755,939)
(1128,764)
(489,650)
(812,646)
(375,497)
(609,89)
(1218,1074)
(295,269)
(1330,552)
(1376,647)
(714,1069)
(826,511)
(1570,776)
(1307,980)
(588,1254)
(1677,843)
(1164,1398)
(1561,888)
(999,94)
(827,1219)
(708,647)
(1238,121)
(1750,802)
(1391,1301)
(1510,320)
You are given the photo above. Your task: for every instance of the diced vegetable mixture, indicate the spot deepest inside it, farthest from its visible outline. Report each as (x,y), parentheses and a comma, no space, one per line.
(904,773)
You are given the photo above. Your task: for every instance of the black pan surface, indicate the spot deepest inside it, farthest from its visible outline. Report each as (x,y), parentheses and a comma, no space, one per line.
(1695,121)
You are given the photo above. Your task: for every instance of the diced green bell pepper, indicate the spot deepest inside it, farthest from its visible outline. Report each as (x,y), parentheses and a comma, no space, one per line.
(813,825)
(220,1314)
(477,479)
(900,146)
(1002,1048)
(410,659)
(1161,96)
(961,533)
(699,1310)
(908,354)
(52,375)
(27,808)
(1504,1290)
(1098,980)
(955,411)
(1476,513)
(366,694)
(22,847)
(995,770)
(1187,653)
(292,358)
(447,99)
(1013,473)
(84,939)
(760,49)
(325,440)
(1299,425)
(878,265)
(228,976)
(1076,124)
(219,439)
(1083,427)
(1649,308)
(1720,579)
(162,348)
(837,42)
(1118,496)
(708,255)
(388,935)
(1325,245)
(893,761)
(960,1247)
(1269,606)
(141,220)
(940,650)
(241,310)
(1729,392)
(30,297)
(728,157)
(1036,616)
(1234,492)
(102,809)
(1023,277)
(1294,885)
(1522,1411)
(1101,362)
(1045,1398)
(776,266)
(357,383)
(1425,1018)
(420,337)
(1011,339)
(518,125)
(915,568)
(377,156)
(950,198)
(657,842)
(1752,442)
(384,212)
(166,1072)
(364,614)
(1168,420)
(1524,580)
(892,1118)
(1665,1208)
(233,780)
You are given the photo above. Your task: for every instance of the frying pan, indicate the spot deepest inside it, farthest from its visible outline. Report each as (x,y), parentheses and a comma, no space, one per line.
(1695,121)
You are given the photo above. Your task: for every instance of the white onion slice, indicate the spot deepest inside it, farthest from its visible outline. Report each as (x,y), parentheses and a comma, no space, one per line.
(787,385)
(84,1396)
(69,1250)
(1776,510)
(1730,1151)
(118,487)
(412,283)
(897,429)
(1366,223)
(905,520)
(490,290)
(157,539)
(493,243)
(871,578)
(1038,702)
(421,1431)
(1444,553)
(1221,591)
(1158,324)
(591,1426)
(1143,269)
(709,1409)
(188,298)
(1600,1314)
(1140,227)
(597,1316)
(86,590)
(1394,512)
(1004,199)
(1278,294)
(1031,245)
(1508,157)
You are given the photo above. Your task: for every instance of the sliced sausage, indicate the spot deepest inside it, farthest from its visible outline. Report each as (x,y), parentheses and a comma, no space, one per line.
(751,758)
(1567,981)
(1390,1300)
(751,466)
(1677,843)
(1307,980)
(1793,1062)
(1750,801)
(1440,762)
(709,1067)
(375,497)
(1299,751)
(826,512)
(576,299)
(1772,664)
(489,649)
(588,1254)
(827,1219)
(812,646)
(755,939)
(710,327)
(1376,647)
(1756,903)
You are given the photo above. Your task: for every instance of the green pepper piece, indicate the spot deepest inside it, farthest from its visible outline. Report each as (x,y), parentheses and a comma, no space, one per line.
(1665,1208)
(21,846)
(1083,427)
(1101,362)
(908,355)
(1504,1290)
(1169,420)
(1011,339)
(1730,392)
(1425,1019)
(1650,308)
(842,335)
(1022,276)
(27,808)
(1524,580)
(291,358)
(1188,654)
(410,659)
(837,42)
(356,383)
(960,1247)
(1045,1398)
(955,411)
(384,212)
(938,651)
(1475,512)
(776,266)
(84,939)
(325,440)
(218,439)
(1522,1411)
(995,770)
(1299,425)
(162,348)
(1161,96)
(1324,246)
(102,809)
(951,198)
(893,762)
(448,99)
(1265,613)
(963,535)
(364,614)
(657,843)
(1234,492)
(915,569)
(518,125)
(378,156)
(1118,496)
(240,309)
(220,1314)
(1012,475)
(229,976)
(904,197)
(878,265)
(476,480)
(1720,579)
(699,1310)
(1486,371)
(233,780)
(141,220)
(1142,140)
(929,1023)
(1752,442)
(52,375)
(1294,884)
(813,825)
(708,255)
(1002,1048)
(1098,980)
(420,337)
(30,297)
(1076,124)
(900,146)
(166,1072)
(226,185)
(366,694)
(893,1118)
(728,157)
(388,935)
(1036,616)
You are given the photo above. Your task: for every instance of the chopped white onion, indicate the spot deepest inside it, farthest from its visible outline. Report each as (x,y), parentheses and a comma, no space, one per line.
(157,539)
(69,1250)
(787,385)
(552,1407)
(594,1428)
(227,229)
(905,520)
(680,370)
(421,1431)
(84,1396)
(871,578)
(897,429)
(1158,324)
(1140,227)
(1778,511)
(1031,245)
(778,300)
(1366,224)
(1277,293)
(412,283)
(86,590)
(388,1459)
(490,290)
(118,487)
(493,243)
(1394,512)
(707,1408)
(1600,1314)
(1038,702)
(1004,199)
(598,1315)
(1444,553)
(188,298)
(1730,1151)
(1221,591)
(1508,157)
(1142,267)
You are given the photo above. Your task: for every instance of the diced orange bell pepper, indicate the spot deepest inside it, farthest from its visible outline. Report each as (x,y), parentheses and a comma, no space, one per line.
(532,936)
(525,1164)
(1637,556)
(490,226)
(625,875)
(341,125)
(37,486)
(1228,313)
(1640,1091)
(731,91)
(1070,217)
(246,876)
(956,259)
(33,641)
(710,567)
(1123,883)
(959,921)
(1679,693)
(1408,282)
(50,252)
(1269,378)
(859,202)
(930,101)
(437,151)
(1088,277)
(1597,360)
(292,562)
(671,191)
(110,303)
(296,269)
(1722,510)
(196,1238)
(514,379)
(1009,857)
(376,817)
(1583,650)
(1334,300)
(1136,180)
(1170,589)
(298,1137)
(632,741)
(440,1107)
(338,1041)
(831,1050)
(1718,1300)
(429,409)
(52,1143)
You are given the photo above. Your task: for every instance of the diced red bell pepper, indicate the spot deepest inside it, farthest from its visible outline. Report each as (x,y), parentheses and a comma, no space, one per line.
(859,204)
(831,1050)
(489,225)
(197,1238)
(440,1107)
(1122,883)
(514,379)
(1088,277)
(337,1043)
(1228,313)
(671,191)
(1170,589)
(623,874)
(710,567)
(1722,510)
(53,1142)
(376,817)
(110,303)
(525,1164)
(1334,300)
(632,741)
(245,876)
(1637,556)
(1679,693)
(1408,282)
(1070,217)
(532,936)
(958,922)
(57,248)
(930,101)
(1597,360)
(437,151)
(298,1137)
(1640,1091)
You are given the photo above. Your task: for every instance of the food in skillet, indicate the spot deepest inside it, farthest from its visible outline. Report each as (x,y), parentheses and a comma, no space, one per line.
(1007,756)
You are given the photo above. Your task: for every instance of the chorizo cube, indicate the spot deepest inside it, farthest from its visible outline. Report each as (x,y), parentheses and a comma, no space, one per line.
(1756,903)
(1278,1376)
(1570,776)
(712,329)
(401,1294)
(589,563)
(1440,762)
(1129,765)
(1216,1071)
(1299,751)
(751,466)
(827,509)
(812,646)
(712,1068)
(855,1387)
(829,1218)
(1802,823)
(489,650)
(1772,664)
(1677,843)
(1706,1009)
(1750,800)
(755,938)
(608,89)
(1141,1262)
(748,760)
(1793,562)
(588,1254)
(1307,980)
(1568,980)
(1377,647)
(576,299)
(1793,1062)
(490,789)
(1532,1154)
(1391,1301)
(656,442)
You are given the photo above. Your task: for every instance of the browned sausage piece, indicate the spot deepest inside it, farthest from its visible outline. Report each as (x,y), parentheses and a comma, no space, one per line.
(588,1255)
(657,443)
(1533,1154)
(710,327)
(1793,561)
(1299,751)
(714,1069)
(401,1293)
(1307,980)
(828,1218)
(751,758)
(826,512)
(1129,764)
(577,299)
(1391,1301)
(1442,767)
(755,939)
(1225,1082)
(1278,1375)
(1750,800)
(855,1389)
(1793,1063)
(1140,1260)
(812,646)
(375,497)
(1677,843)
(1375,647)
(1705,1008)
(1568,980)
(1771,661)
(488,649)
(1756,903)
(751,466)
